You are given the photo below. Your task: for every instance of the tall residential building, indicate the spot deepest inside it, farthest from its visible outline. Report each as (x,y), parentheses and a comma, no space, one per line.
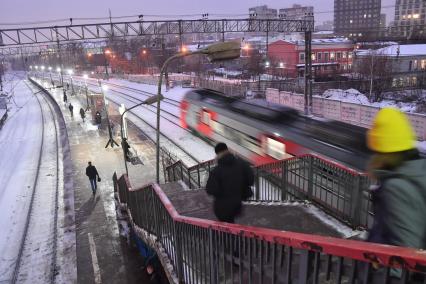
(263,12)
(382,21)
(357,18)
(410,17)
(297,12)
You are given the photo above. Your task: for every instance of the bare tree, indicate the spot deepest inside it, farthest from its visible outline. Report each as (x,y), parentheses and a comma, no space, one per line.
(376,68)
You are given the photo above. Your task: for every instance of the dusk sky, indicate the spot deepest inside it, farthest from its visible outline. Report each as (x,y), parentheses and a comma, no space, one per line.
(41,10)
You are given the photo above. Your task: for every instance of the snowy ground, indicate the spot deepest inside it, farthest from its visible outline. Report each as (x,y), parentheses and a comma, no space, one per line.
(354,96)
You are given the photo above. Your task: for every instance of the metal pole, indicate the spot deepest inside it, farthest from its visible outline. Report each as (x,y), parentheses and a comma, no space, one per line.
(371,74)
(307,55)
(87,96)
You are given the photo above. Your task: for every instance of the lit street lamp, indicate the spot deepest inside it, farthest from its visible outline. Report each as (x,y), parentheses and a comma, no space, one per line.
(111,139)
(216,52)
(70,72)
(86,90)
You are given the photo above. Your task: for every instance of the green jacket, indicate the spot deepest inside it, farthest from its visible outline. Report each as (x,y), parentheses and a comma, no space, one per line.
(399,206)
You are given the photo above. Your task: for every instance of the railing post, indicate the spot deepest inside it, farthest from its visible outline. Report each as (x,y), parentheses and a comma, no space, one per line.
(356,201)
(181,172)
(284,184)
(212,261)
(310,177)
(257,184)
(198,176)
(178,249)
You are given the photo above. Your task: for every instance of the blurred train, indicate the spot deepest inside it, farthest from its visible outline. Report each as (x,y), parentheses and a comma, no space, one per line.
(266,133)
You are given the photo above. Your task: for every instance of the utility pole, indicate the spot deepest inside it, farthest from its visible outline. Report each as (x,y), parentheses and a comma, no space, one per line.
(371,73)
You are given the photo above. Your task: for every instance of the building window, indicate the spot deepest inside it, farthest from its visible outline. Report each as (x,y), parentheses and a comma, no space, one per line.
(302,57)
(339,55)
(332,55)
(423,64)
(319,56)
(415,65)
(349,66)
(410,66)
(349,55)
(344,54)
(313,56)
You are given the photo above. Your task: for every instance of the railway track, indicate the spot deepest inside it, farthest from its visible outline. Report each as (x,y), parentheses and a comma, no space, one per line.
(45,240)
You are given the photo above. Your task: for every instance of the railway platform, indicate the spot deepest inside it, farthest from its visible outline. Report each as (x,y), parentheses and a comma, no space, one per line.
(103,256)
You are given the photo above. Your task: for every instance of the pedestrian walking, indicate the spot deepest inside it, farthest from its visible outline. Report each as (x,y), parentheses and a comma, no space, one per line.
(82,114)
(230,183)
(92,174)
(399,201)
(98,118)
(65,97)
(71,108)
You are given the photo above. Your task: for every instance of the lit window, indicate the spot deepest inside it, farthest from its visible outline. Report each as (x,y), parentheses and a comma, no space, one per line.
(409,16)
(416,16)
(350,21)
(365,15)
(423,64)
(332,55)
(344,54)
(403,16)
(313,56)
(349,55)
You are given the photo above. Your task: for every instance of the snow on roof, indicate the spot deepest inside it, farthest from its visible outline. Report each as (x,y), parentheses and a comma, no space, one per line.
(398,50)
(324,33)
(338,40)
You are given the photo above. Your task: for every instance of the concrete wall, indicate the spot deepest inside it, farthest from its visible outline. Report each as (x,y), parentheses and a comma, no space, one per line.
(355,114)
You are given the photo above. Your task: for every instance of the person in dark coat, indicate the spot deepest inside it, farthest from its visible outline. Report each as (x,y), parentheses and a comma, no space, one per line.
(71,108)
(92,174)
(230,183)
(82,114)
(65,97)
(399,200)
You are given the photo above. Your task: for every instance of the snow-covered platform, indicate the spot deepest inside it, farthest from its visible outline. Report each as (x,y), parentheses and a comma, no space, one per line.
(102,255)
(294,217)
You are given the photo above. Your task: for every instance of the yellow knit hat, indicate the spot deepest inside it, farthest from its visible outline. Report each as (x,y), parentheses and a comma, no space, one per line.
(391,132)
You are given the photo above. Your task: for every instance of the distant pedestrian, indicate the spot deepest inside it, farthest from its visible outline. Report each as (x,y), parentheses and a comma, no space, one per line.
(68,86)
(65,97)
(93,176)
(98,118)
(399,201)
(71,108)
(82,114)
(230,183)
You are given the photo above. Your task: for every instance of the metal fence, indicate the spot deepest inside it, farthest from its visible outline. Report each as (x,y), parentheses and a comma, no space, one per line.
(339,191)
(202,251)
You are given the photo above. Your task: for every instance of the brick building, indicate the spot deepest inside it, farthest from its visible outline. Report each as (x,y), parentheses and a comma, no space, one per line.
(329,57)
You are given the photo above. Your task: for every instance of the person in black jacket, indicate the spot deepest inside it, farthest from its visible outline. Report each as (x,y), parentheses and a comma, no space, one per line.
(230,183)
(92,173)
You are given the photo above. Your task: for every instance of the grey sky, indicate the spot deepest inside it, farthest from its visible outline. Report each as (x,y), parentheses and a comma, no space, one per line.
(38,10)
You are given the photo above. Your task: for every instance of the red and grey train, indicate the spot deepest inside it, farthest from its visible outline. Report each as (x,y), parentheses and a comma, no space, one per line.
(267,133)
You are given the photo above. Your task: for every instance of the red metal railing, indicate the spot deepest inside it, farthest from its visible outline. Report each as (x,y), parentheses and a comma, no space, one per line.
(339,191)
(204,251)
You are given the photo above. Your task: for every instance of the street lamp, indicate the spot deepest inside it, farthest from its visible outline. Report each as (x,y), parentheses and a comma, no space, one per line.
(70,72)
(216,52)
(111,140)
(85,77)
(106,52)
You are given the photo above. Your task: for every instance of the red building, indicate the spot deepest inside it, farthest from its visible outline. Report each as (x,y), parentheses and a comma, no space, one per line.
(329,57)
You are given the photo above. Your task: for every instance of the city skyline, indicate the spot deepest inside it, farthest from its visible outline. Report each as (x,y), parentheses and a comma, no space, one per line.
(44,10)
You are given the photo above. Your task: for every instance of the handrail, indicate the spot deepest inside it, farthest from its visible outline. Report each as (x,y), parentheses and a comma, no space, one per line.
(174,238)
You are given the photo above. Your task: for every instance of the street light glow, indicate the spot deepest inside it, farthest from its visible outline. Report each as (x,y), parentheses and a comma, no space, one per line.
(246,46)
(70,72)
(36,67)
(281,65)
(50,68)
(267,63)
(92,73)
(42,67)
(58,69)
(31,67)
(107,51)
(104,87)
(85,76)
(184,49)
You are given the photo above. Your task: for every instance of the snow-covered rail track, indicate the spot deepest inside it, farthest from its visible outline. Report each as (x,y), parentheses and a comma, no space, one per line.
(36,259)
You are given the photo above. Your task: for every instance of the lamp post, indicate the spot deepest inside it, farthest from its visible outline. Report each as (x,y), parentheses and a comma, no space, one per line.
(123,127)
(111,139)
(106,52)
(86,91)
(50,74)
(216,52)
(70,72)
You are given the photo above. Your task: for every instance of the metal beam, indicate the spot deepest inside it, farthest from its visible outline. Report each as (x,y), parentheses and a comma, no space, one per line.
(32,35)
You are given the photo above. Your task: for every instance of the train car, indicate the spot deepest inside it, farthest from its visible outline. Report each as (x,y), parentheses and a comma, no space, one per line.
(266,133)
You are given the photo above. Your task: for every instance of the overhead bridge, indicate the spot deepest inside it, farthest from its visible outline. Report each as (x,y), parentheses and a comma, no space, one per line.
(276,240)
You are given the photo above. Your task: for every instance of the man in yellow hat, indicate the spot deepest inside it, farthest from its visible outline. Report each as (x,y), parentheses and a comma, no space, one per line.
(399,202)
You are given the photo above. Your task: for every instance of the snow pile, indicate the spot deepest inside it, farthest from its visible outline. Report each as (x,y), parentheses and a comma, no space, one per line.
(422,146)
(355,97)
